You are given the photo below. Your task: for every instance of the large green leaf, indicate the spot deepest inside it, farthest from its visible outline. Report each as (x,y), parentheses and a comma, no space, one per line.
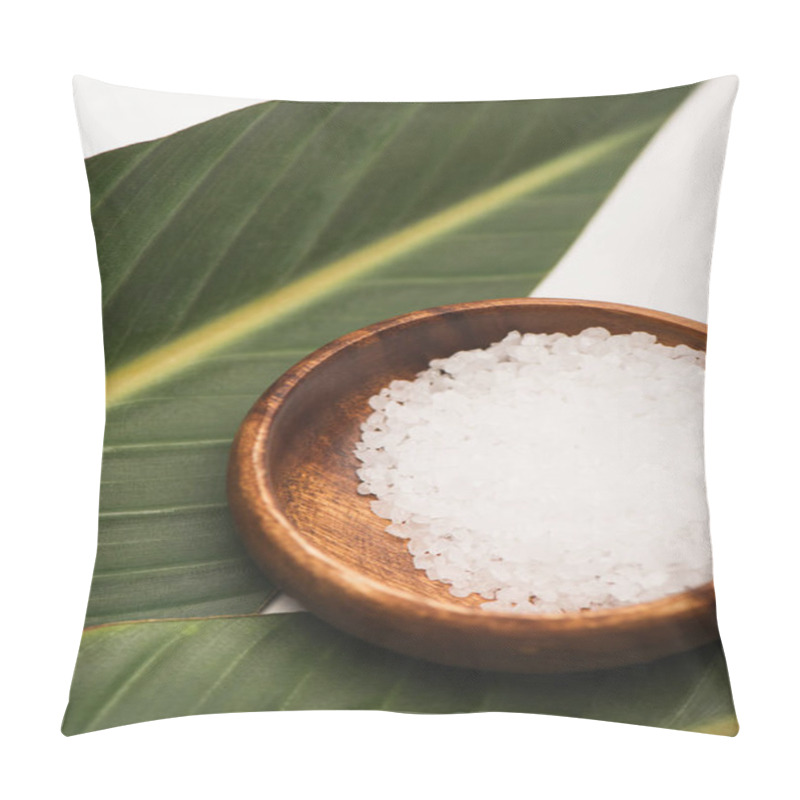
(233,248)
(140,671)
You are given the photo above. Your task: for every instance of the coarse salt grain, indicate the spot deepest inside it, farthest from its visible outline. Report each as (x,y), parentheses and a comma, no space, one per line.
(547,473)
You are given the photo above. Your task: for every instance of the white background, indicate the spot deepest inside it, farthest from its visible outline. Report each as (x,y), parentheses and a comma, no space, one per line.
(53,388)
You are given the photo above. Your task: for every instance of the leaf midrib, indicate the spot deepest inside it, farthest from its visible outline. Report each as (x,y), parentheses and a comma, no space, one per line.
(182,352)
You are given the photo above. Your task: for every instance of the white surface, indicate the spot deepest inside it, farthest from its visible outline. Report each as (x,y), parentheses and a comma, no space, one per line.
(113,116)
(53,399)
(650,243)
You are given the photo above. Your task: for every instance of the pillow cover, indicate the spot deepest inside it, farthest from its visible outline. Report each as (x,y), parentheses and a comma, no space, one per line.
(234,238)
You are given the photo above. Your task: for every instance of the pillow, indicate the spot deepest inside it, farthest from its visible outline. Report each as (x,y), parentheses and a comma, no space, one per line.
(235,238)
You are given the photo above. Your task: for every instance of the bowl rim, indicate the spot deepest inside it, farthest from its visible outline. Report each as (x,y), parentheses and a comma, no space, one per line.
(254,503)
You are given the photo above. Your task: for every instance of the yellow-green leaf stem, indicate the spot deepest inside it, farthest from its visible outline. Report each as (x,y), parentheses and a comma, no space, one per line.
(216,334)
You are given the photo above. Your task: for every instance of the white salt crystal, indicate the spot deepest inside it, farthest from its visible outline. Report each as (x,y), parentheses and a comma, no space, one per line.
(547,473)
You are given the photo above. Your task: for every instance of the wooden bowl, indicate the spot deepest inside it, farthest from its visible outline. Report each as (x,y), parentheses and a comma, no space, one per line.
(292,489)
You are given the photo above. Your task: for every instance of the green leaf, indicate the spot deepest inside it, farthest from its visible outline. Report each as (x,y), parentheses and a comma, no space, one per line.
(132,672)
(230,250)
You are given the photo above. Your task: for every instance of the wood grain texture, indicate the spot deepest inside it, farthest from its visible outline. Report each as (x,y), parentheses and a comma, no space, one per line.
(292,489)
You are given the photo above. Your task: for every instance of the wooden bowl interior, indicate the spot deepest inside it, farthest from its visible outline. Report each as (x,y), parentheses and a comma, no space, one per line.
(311,465)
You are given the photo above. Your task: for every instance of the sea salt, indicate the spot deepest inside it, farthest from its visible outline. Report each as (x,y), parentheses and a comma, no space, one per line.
(547,472)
